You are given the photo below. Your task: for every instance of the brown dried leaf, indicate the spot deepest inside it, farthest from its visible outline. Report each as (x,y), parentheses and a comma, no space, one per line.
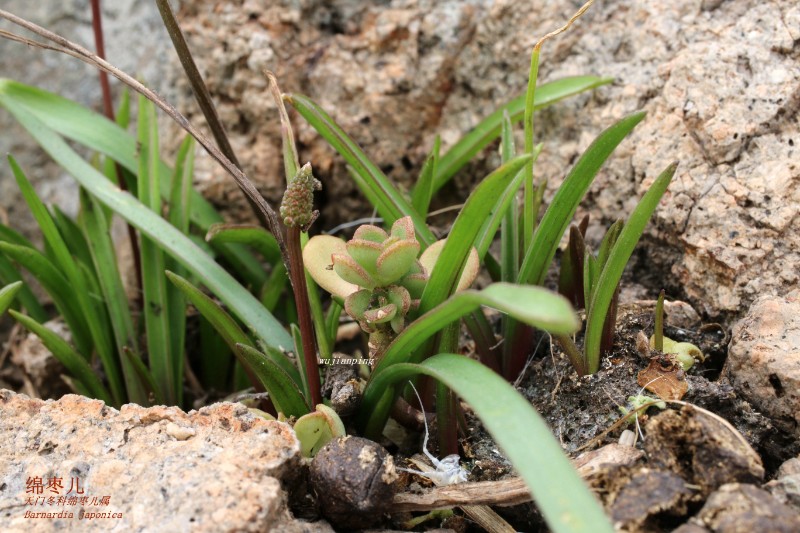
(664,377)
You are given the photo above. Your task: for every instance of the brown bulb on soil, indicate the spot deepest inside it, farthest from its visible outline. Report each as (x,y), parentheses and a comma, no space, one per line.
(354,479)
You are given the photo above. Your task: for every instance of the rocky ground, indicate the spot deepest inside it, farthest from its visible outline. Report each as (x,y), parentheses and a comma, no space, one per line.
(721,84)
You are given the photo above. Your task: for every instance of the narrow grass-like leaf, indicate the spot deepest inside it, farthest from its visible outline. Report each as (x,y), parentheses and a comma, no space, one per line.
(528,215)
(324,345)
(282,389)
(215,358)
(7,295)
(503,203)
(254,236)
(658,330)
(26,298)
(444,278)
(226,326)
(64,262)
(618,257)
(590,273)
(509,245)
(332,321)
(489,128)
(9,235)
(154,284)
(608,241)
(369,178)
(92,219)
(179,209)
(423,189)
(146,381)
(532,305)
(193,258)
(180,198)
(274,287)
(73,361)
(57,287)
(556,219)
(96,132)
(73,236)
(299,356)
(564,500)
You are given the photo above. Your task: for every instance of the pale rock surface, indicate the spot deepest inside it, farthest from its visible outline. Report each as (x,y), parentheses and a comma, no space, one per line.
(764,359)
(742,508)
(719,81)
(213,470)
(786,485)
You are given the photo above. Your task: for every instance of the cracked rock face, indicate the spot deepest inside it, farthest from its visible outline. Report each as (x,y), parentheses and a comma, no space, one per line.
(719,81)
(216,469)
(764,359)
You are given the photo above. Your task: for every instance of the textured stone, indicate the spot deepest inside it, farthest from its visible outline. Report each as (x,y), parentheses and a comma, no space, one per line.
(786,485)
(648,493)
(742,508)
(764,359)
(216,469)
(701,449)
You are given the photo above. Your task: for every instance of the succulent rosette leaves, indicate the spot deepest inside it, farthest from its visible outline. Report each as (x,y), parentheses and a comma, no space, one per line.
(385,266)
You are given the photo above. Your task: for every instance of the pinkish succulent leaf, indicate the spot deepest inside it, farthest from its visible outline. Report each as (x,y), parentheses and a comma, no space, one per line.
(381,314)
(350,271)
(431,255)
(400,297)
(317,258)
(395,261)
(414,283)
(398,323)
(357,304)
(403,228)
(365,253)
(370,233)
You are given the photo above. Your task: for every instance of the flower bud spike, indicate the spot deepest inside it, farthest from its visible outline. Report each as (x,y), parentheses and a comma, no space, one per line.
(297,207)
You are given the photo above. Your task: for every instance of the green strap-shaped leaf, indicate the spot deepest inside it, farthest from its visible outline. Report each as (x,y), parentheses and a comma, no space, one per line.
(193,258)
(502,207)
(63,260)
(444,278)
(179,209)
(562,209)
(254,236)
(532,305)
(154,284)
(282,389)
(7,295)
(26,298)
(95,226)
(609,277)
(563,499)
(57,287)
(73,361)
(373,183)
(97,133)
(226,326)
(423,188)
(73,236)
(489,128)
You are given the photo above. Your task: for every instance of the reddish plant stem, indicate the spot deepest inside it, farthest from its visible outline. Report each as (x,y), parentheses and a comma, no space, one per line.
(108,110)
(298,279)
